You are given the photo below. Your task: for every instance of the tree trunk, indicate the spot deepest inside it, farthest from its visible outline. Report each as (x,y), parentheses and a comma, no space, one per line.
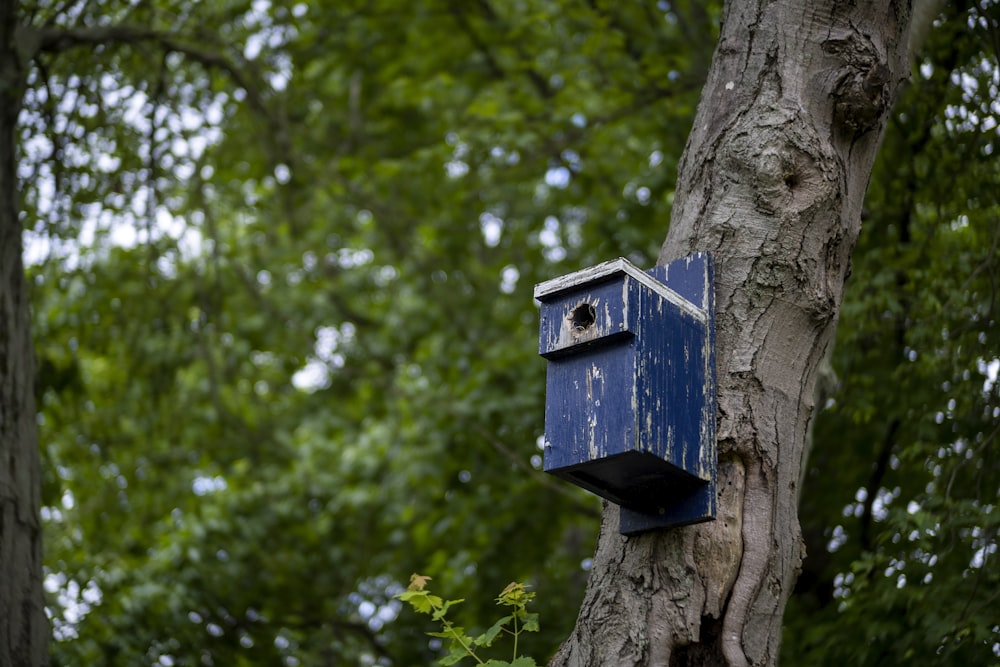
(772,183)
(23,627)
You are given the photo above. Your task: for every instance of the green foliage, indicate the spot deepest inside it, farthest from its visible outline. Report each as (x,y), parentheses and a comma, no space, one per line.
(282,258)
(462,645)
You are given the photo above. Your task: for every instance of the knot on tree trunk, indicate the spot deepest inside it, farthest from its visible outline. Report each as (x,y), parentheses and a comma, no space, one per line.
(860,89)
(781,185)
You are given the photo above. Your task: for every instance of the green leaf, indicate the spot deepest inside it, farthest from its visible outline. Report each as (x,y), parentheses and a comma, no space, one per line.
(486,639)
(440,612)
(421,601)
(453,633)
(455,655)
(530,621)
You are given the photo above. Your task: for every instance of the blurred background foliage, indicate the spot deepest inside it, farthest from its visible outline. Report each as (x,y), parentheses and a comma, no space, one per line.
(282,258)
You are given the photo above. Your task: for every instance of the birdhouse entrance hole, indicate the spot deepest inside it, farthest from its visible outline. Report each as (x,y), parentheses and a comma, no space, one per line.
(583,317)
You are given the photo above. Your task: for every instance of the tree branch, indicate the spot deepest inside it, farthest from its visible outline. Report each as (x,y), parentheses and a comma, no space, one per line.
(33,41)
(58,40)
(875,483)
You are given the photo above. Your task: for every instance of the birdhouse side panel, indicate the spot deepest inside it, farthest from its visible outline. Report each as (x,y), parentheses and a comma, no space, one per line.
(672,390)
(690,277)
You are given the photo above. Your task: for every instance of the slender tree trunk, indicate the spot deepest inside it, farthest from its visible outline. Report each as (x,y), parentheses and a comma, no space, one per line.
(23,627)
(772,183)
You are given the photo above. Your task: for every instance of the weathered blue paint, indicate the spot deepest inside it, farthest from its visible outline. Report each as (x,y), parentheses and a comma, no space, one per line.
(630,387)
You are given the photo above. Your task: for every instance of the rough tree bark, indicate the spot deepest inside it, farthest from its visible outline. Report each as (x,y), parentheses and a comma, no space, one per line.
(23,626)
(771,182)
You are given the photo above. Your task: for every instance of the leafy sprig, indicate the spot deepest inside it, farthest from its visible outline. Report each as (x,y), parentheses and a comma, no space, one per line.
(462,645)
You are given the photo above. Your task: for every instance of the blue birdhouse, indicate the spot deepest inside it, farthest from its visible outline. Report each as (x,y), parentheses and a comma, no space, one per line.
(630,400)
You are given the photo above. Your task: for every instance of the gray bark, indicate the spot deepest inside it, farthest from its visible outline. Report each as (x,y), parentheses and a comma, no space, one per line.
(23,626)
(771,182)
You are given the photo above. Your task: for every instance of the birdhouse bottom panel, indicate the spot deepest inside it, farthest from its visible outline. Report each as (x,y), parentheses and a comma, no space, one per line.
(637,480)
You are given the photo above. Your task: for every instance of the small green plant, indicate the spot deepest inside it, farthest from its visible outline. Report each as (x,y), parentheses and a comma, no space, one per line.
(461,645)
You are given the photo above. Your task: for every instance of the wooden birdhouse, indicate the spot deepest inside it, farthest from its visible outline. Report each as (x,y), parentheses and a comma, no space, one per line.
(630,401)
